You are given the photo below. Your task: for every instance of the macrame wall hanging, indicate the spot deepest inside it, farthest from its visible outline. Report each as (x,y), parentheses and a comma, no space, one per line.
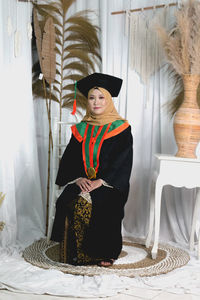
(146,55)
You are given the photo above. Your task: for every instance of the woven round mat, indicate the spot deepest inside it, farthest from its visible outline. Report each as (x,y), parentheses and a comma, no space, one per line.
(46,255)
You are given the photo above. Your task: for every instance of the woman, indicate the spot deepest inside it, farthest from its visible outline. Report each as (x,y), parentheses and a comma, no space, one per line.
(96,167)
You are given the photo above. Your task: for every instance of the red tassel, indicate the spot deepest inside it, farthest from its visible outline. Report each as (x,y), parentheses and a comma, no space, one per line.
(74,107)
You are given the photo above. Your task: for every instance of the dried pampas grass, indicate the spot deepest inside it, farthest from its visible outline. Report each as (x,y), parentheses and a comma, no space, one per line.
(182,44)
(182,49)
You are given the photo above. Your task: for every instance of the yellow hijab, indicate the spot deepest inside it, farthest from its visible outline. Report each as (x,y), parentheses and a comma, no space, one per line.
(109,115)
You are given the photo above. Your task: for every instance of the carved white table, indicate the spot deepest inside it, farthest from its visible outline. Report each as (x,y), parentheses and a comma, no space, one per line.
(178,172)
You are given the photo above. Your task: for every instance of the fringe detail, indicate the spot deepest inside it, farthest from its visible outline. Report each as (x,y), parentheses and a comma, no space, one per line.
(146,53)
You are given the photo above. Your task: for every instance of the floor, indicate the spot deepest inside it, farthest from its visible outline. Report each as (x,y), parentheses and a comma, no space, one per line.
(136,294)
(187,277)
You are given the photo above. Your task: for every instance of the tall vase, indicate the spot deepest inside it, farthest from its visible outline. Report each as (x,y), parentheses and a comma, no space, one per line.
(187,118)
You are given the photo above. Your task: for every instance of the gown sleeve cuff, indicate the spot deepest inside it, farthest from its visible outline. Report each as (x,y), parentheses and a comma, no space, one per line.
(106,184)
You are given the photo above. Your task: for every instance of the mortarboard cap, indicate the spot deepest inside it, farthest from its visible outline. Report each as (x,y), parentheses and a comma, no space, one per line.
(110,83)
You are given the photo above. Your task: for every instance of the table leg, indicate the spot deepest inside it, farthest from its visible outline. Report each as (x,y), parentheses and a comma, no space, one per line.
(151,217)
(194,220)
(198,254)
(158,195)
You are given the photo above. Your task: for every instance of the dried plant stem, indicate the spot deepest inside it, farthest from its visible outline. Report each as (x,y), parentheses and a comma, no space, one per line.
(61,81)
(48,106)
(48,113)
(49,163)
(60,131)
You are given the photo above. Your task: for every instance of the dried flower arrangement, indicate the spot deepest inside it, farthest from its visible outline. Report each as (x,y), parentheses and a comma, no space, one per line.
(182,46)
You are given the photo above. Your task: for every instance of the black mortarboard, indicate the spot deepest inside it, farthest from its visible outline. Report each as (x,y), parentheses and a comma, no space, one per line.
(110,83)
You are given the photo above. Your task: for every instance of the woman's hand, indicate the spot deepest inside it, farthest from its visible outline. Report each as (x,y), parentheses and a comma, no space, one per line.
(95,184)
(87,185)
(84,184)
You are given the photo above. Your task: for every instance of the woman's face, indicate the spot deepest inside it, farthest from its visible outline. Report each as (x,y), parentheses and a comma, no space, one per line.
(97,102)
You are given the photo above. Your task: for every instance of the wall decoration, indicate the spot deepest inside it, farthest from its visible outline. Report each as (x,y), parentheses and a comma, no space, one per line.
(146,54)
(17,43)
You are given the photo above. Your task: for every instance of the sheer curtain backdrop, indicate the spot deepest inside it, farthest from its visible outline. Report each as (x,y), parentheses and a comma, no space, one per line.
(22,209)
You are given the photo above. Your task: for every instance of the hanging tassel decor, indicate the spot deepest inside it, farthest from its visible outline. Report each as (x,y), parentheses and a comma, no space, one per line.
(74,104)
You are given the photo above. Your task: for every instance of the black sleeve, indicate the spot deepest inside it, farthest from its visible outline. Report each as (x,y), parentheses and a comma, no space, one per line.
(71,165)
(119,168)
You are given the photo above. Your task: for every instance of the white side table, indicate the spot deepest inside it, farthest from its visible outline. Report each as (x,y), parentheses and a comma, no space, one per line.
(178,172)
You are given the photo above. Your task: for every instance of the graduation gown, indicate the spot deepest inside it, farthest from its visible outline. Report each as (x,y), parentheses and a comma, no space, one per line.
(102,239)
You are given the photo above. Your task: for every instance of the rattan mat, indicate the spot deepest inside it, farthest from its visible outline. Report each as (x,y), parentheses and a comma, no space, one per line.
(46,255)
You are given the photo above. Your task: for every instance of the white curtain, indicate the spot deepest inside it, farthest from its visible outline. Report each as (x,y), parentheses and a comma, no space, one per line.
(22,209)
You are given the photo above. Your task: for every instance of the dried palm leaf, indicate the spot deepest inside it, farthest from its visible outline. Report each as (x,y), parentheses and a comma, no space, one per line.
(65,5)
(2,196)
(77,46)
(77,66)
(2,224)
(48,51)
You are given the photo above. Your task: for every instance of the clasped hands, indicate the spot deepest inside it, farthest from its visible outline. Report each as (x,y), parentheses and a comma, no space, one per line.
(86,185)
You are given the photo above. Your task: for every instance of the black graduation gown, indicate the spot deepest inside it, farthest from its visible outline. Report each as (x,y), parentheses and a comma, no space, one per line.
(103,238)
